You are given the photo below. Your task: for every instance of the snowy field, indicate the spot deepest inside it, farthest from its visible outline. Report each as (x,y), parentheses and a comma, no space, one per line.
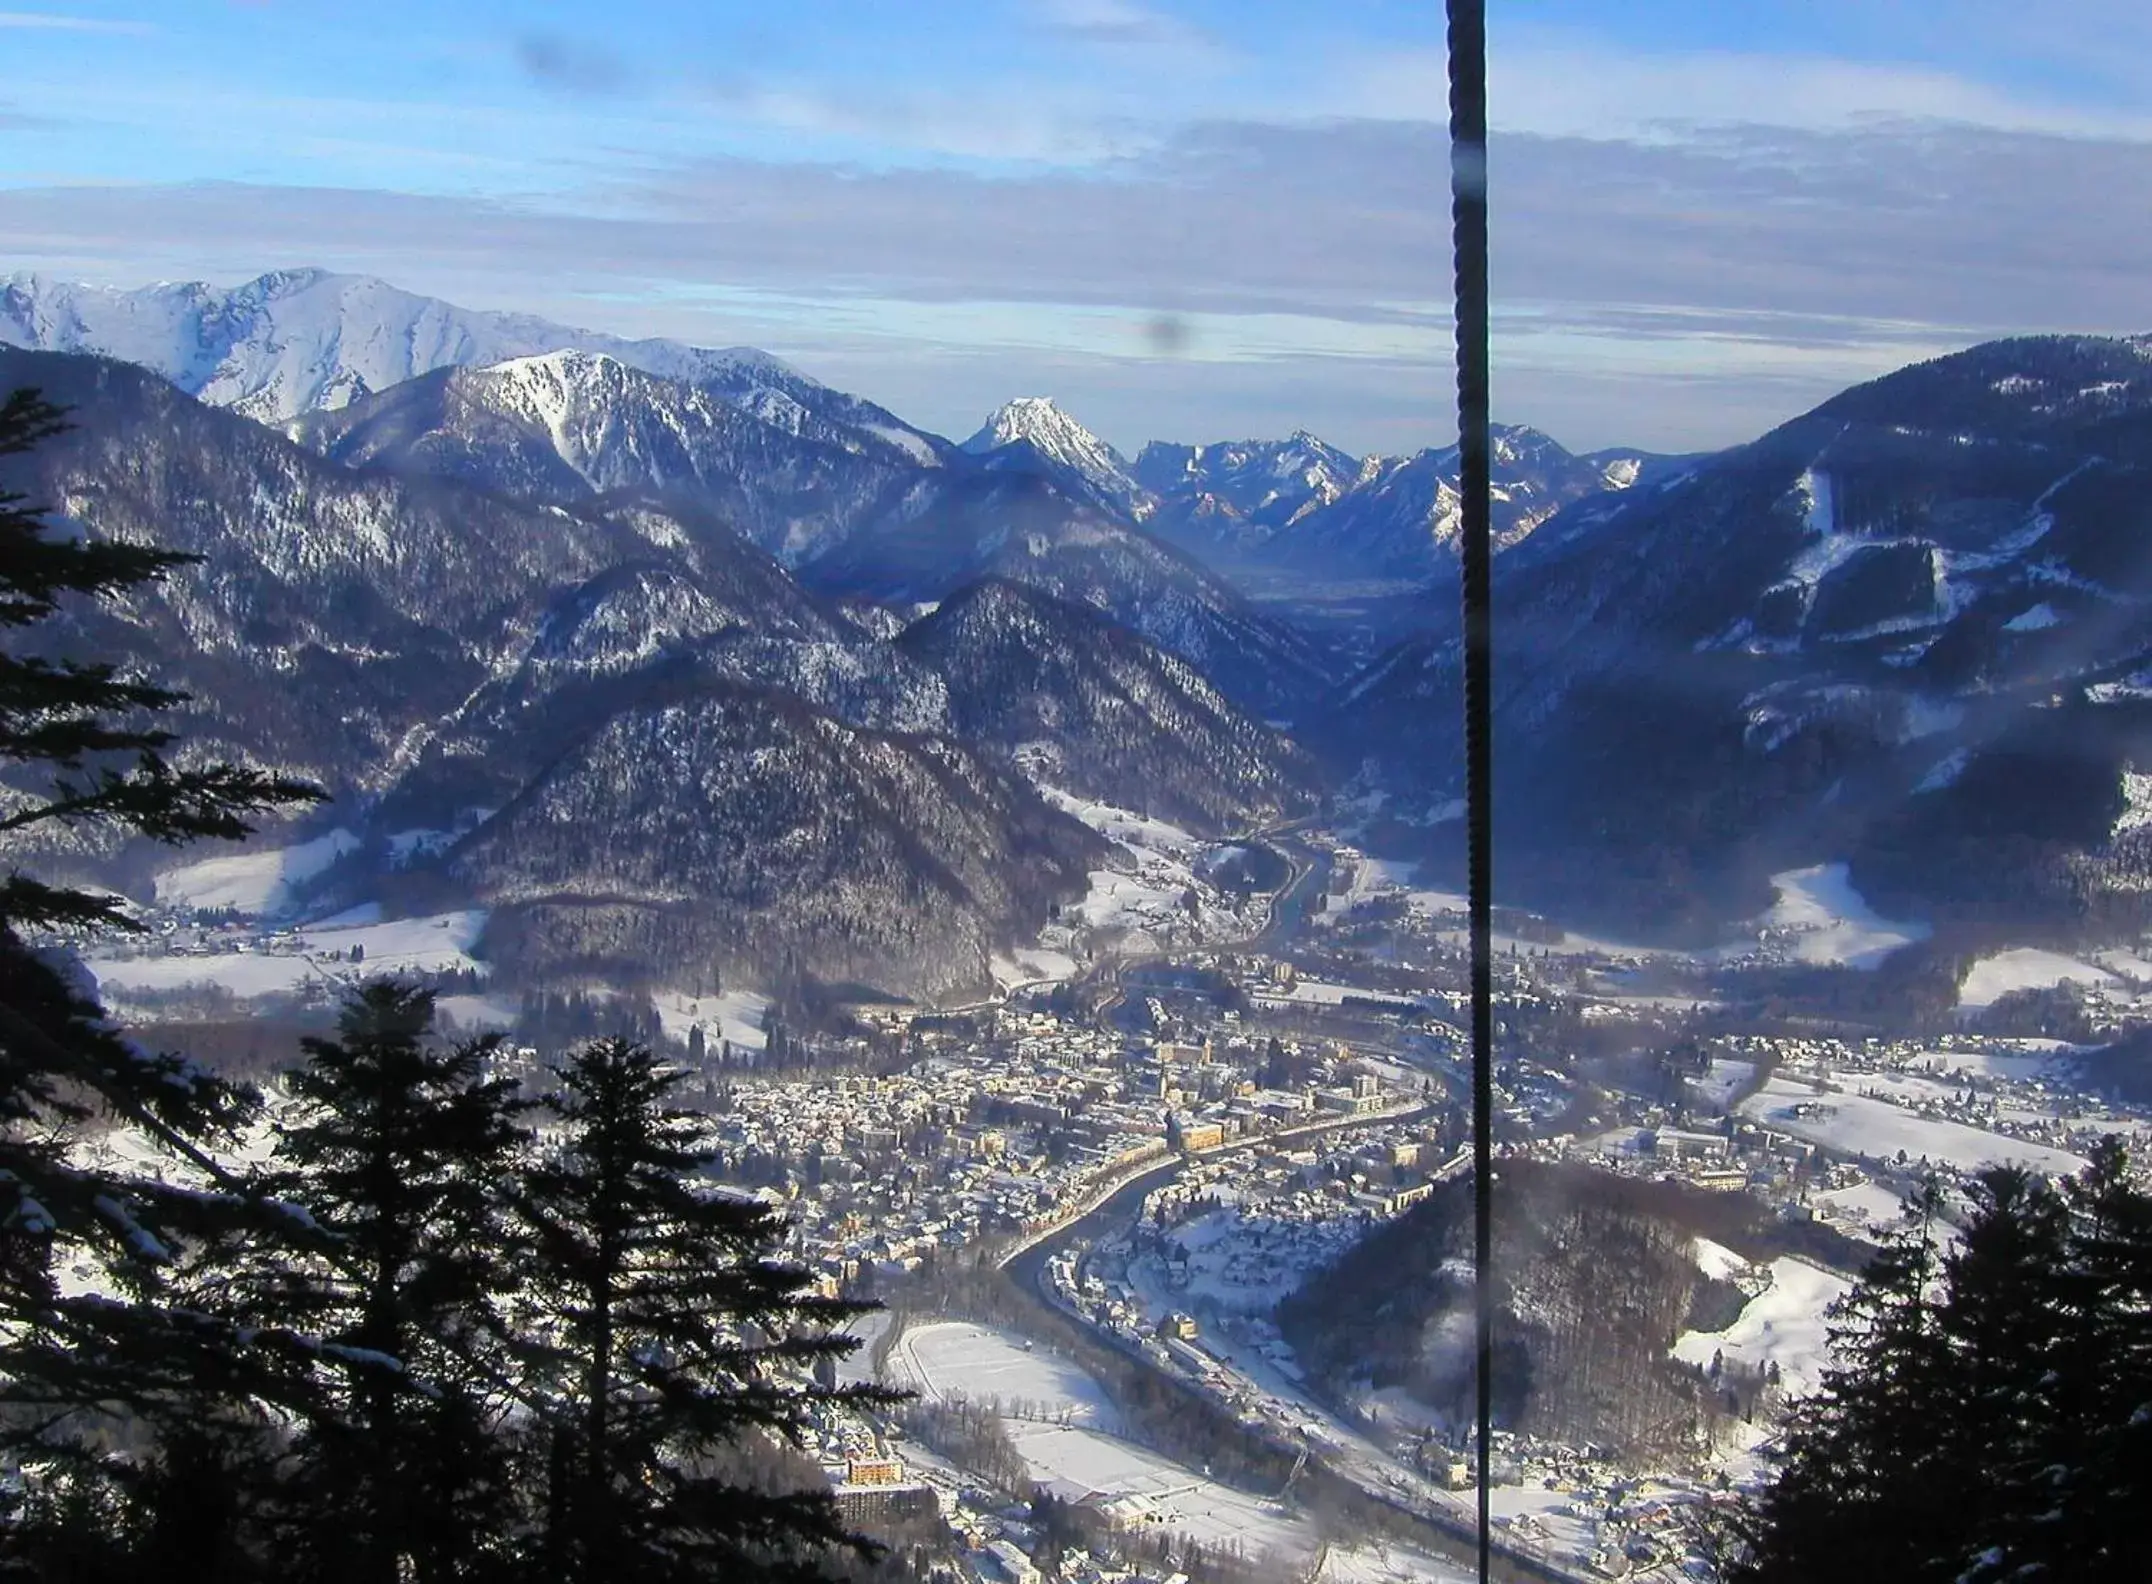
(1027,965)
(2025,968)
(1143,898)
(2023,1067)
(739,1016)
(319,955)
(1387,1564)
(1861,1126)
(1869,1206)
(1821,919)
(253,883)
(1076,1458)
(1786,1324)
(1142,1487)
(958,1359)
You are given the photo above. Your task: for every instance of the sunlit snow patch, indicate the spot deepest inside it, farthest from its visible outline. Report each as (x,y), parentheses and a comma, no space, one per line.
(256,883)
(738,1017)
(1825,921)
(2024,968)
(1786,1324)
(2040,616)
(1876,1130)
(322,955)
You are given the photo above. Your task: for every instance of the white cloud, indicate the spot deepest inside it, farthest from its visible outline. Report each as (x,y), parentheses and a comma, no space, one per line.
(1686,292)
(1123,24)
(1559,85)
(44,21)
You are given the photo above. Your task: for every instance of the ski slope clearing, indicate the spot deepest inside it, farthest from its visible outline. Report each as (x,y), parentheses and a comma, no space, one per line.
(258,884)
(1821,919)
(1786,1324)
(2024,968)
(1029,965)
(1875,1129)
(1718,1261)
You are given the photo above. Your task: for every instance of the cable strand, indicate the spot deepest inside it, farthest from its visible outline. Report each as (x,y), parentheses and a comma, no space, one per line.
(1468,219)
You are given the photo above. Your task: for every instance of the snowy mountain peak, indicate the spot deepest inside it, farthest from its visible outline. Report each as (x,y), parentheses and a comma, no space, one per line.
(300,341)
(306,340)
(568,367)
(1055,438)
(1051,431)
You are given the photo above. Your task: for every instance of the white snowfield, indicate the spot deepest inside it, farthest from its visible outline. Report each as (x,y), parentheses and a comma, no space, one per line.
(1024,965)
(438,942)
(1825,921)
(1877,1130)
(254,883)
(1075,1459)
(1786,1324)
(957,1359)
(1718,1261)
(1144,900)
(739,1016)
(2024,968)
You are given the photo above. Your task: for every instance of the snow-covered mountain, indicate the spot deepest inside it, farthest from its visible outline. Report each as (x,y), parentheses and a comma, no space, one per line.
(952,528)
(1400,516)
(1908,631)
(1258,508)
(700,824)
(659,748)
(575,427)
(1234,497)
(1032,433)
(306,340)
(571,426)
(1101,712)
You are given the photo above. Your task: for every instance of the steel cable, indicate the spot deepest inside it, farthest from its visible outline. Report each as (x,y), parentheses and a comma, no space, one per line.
(1468,220)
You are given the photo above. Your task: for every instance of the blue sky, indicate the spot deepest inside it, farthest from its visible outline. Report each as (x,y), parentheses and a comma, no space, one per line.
(1189,219)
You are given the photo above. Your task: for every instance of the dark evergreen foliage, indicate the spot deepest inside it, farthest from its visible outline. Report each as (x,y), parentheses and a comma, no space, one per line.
(399,1149)
(674,1330)
(1989,1412)
(81,1372)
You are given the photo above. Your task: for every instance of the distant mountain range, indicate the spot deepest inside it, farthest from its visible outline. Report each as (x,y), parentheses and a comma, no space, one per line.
(517,402)
(661,750)
(468,566)
(306,340)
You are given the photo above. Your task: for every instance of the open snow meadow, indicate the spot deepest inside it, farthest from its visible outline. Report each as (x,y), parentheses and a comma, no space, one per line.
(1822,919)
(340,949)
(1062,1424)
(1877,1130)
(1064,1427)
(1785,1323)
